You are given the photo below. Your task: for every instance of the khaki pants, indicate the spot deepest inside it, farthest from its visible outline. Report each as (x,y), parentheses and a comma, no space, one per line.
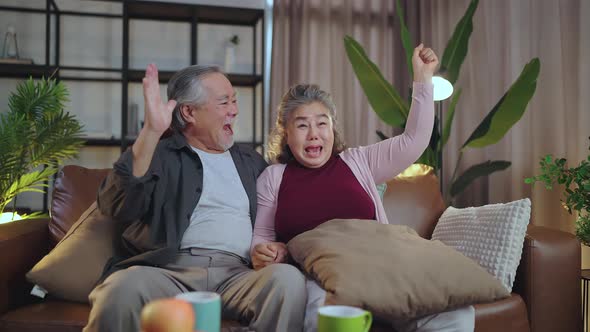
(271,299)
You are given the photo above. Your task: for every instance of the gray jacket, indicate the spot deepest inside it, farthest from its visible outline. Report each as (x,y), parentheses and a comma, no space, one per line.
(154,210)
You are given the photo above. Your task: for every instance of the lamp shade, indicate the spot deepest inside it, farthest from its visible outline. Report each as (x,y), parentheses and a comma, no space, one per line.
(443,89)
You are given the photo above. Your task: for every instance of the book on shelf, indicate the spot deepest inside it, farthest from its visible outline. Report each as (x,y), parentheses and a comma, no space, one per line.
(16,61)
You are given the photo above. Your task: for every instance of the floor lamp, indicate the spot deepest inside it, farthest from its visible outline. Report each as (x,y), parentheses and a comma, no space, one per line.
(443,89)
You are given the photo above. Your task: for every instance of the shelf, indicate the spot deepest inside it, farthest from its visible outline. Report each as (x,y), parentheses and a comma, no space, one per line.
(25,71)
(188,13)
(164,76)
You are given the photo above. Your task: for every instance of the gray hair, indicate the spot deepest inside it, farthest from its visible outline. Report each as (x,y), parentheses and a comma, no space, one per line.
(186,88)
(297,96)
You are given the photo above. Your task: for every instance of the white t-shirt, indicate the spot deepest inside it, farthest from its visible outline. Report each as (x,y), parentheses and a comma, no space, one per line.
(221,219)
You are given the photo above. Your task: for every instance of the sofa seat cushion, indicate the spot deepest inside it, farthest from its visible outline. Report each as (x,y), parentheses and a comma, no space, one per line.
(507,315)
(46,316)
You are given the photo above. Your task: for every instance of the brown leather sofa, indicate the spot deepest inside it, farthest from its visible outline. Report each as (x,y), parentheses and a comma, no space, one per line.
(546,293)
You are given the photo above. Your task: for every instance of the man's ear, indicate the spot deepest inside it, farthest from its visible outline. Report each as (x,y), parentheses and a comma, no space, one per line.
(186,111)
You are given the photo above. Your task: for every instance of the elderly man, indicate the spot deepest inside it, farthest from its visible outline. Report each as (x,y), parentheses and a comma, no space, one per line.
(186,205)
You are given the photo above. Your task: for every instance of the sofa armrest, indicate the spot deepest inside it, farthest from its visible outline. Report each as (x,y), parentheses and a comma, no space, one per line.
(548,279)
(22,245)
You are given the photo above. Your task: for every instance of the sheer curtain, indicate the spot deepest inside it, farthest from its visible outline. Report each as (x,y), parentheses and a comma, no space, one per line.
(308,46)
(506,35)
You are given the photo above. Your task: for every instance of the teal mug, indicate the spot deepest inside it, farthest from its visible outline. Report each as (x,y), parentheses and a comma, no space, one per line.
(341,318)
(207,309)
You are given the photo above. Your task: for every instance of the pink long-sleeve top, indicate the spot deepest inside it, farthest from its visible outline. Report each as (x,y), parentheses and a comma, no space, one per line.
(371,165)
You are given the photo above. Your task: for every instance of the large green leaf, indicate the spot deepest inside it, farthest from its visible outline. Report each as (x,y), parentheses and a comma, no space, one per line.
(450,116)
(406,38)
(428,157)
(508,110)
(458,44)
(475,171)
(382,96)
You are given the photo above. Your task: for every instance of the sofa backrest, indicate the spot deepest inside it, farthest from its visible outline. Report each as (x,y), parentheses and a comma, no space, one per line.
(75,189)
(414,199)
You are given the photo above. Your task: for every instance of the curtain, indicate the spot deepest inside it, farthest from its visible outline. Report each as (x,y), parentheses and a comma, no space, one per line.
(308,47)
(506,35)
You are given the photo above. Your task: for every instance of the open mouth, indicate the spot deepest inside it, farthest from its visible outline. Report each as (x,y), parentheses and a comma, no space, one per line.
(313,151)
(228,129)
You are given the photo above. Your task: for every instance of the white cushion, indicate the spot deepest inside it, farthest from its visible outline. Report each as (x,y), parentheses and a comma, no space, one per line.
(492,235)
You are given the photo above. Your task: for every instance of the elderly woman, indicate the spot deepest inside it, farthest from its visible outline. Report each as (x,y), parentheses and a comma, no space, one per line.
(314,179)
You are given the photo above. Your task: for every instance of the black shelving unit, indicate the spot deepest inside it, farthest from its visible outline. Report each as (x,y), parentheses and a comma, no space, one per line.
(192,14)
(146,10)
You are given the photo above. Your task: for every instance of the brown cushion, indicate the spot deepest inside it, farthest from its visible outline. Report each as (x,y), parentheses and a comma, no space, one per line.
(390,270)
(413,199)
(71,270)
(74,190)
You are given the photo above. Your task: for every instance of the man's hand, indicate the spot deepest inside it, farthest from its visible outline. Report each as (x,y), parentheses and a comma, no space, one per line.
(269,253)
(158,115)
(424,62)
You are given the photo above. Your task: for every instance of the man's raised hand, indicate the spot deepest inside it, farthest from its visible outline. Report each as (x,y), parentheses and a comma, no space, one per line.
(158,115)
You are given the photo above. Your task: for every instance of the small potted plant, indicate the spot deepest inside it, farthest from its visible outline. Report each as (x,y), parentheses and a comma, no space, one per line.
(576,181)
(35,136)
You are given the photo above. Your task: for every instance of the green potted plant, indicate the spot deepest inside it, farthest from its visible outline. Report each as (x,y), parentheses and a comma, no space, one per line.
(387,102)
(35,136)
(576,182)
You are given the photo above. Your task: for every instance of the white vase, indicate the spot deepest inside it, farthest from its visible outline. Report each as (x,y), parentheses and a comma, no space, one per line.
(230,58)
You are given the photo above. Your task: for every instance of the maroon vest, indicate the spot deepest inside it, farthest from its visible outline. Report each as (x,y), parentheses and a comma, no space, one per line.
(309,197)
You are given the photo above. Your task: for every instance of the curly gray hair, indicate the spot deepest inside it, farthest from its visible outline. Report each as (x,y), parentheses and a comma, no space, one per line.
(297,96)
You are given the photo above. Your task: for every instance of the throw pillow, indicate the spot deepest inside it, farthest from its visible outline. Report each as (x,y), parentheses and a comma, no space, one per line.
(72,269)
(492,235)
(390,270)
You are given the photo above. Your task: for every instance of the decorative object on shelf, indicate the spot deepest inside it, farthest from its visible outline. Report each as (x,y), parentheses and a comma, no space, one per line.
(576,181)
(230,53)
(35,136)
(10,52)
(133,121)
(386,101)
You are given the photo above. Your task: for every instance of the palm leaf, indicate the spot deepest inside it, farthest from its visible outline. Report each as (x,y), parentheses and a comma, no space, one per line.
(382,96)
(428,157)
(381,135)
(405,37)
(59,137)
(475,171)
(458,44)
(34,99)
(508,110)
(30,182)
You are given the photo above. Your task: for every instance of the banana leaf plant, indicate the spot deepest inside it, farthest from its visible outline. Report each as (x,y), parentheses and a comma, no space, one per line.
(393,109)
(35,135)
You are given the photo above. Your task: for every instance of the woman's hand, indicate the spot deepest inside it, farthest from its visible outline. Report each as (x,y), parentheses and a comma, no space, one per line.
(424,62)
(268,253)
(158,115)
